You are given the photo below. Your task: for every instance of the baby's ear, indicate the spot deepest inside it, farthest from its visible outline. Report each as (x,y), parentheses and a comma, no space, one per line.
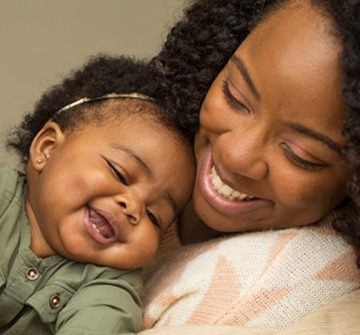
(44,144)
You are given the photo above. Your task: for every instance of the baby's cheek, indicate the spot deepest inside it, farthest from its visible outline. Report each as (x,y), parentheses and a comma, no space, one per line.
(150,247)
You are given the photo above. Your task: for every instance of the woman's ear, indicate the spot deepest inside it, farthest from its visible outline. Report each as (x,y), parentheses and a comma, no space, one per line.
(44,144)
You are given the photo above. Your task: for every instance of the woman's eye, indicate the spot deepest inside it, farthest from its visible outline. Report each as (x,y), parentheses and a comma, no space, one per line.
(300,161)
(153,219)
(230,97)
(118,174)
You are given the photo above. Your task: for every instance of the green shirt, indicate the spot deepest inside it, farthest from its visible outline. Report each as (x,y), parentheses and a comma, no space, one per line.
(55,295)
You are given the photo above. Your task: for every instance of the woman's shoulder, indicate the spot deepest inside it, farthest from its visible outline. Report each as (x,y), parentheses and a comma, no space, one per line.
(341,316)
(291,271)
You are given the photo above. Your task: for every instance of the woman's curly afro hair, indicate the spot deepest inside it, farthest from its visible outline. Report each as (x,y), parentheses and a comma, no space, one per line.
(201,43)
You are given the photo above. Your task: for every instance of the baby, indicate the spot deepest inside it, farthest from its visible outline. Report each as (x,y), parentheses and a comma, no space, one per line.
(108,168)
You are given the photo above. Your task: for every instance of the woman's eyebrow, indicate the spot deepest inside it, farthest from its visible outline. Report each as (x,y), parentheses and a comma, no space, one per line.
(240,65)
(317,136)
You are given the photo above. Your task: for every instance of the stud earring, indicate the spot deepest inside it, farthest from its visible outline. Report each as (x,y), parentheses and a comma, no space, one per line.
(39,161)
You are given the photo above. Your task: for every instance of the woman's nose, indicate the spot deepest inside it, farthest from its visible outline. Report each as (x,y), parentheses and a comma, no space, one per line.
(131,206)
(244,153)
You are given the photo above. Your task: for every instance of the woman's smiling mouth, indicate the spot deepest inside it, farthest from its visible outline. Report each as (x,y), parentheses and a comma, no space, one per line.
(225,190)
(222,197)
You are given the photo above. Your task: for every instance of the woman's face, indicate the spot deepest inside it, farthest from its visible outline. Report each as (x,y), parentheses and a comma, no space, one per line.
(268,149)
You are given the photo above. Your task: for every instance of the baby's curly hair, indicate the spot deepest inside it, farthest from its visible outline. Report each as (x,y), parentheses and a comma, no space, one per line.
(202,42)
(100,75)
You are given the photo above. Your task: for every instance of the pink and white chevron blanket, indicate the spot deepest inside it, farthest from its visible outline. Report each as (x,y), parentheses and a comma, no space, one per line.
(260,279)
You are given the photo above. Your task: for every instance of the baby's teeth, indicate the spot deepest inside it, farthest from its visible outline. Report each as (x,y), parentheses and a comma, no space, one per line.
(96,228)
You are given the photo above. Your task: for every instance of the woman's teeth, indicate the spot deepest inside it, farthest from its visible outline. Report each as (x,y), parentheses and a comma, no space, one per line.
(225,190)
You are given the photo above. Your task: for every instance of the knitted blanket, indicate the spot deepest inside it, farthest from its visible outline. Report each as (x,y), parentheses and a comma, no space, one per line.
(260,279)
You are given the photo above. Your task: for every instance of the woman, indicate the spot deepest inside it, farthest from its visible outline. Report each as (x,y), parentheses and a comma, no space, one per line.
(277,145)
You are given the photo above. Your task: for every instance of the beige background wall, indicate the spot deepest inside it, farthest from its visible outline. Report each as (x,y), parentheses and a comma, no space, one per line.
(43,39)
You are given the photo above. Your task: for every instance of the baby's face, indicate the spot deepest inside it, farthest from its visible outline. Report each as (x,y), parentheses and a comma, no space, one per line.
(106,194)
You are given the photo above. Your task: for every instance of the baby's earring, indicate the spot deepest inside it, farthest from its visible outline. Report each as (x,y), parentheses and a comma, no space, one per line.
(43,159)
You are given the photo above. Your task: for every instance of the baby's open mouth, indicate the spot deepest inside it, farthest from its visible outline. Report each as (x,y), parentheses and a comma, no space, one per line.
(100,224)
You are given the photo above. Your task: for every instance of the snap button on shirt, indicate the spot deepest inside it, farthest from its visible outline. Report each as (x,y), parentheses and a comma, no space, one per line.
(32,274)
(55,301)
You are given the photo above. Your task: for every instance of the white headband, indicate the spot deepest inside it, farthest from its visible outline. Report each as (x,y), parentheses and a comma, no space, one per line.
(132,95)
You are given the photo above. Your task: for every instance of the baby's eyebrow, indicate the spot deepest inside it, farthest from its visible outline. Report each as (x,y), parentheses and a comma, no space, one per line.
(142,164)
(138,160)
